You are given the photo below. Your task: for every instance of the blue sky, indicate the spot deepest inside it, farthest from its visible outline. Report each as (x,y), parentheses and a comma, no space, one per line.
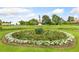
(15,14)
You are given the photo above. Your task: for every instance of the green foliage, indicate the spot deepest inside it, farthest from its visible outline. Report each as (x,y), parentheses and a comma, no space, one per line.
(39,31)
(22,22)
(57,20)
(0,22)
(69,23)
(46,19)
(32,22)
(0,27)
(40,34)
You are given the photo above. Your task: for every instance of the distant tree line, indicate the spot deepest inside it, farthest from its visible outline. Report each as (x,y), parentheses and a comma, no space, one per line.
(30,22)
(46,20)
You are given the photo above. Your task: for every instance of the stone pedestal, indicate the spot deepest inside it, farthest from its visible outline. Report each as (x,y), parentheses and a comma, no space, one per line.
(39,24)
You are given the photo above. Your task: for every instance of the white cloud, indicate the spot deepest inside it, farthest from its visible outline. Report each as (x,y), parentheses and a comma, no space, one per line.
(16,18)
(31,15)
(75,11)
(58,11)
(16,14)
(37,3)
(9,11)
(27,17)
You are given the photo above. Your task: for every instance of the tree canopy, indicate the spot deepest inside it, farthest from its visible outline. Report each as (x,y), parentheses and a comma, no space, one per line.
(22,22)
(46,19)
(57,20)
(0,22)
(33,22)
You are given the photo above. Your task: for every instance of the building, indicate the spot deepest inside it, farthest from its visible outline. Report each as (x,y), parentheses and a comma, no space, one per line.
(6,23)
(76,20)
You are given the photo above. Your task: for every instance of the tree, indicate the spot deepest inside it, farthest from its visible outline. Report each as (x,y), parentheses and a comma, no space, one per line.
(0,22)
(0,25)
(32,22)
(46,19)
(70,19)
(57,20)
(22,22)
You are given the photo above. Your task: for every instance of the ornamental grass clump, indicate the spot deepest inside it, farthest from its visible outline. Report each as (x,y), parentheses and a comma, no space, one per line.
(39,31)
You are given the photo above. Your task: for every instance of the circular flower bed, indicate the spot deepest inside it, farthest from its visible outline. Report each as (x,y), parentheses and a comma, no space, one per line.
(47,38)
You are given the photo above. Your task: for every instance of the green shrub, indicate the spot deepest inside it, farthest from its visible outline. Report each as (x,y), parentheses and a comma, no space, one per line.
(39,31)
(0,28)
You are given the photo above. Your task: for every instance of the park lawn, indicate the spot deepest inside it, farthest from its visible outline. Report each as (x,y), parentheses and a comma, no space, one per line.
(73,29)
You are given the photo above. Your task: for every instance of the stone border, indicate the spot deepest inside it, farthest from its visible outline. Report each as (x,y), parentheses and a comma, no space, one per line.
(9,39)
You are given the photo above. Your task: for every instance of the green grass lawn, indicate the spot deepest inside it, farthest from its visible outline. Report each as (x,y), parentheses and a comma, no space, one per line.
(73,29)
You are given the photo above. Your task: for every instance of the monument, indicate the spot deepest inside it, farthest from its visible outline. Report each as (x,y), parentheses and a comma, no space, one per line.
(39,22)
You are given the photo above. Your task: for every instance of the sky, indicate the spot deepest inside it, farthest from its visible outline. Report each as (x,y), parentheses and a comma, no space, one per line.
(15,14)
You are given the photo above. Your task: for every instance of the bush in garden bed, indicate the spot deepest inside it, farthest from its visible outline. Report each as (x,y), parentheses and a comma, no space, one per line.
(39,31)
